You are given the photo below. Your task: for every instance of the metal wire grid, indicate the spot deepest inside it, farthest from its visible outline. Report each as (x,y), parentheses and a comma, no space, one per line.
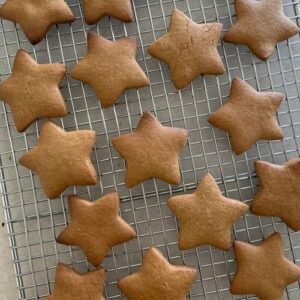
(33,221)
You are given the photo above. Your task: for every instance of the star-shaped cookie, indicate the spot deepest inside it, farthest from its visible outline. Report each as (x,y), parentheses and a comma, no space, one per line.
(189,48)
(70,285)
(110,68)
(206,216)
(158,279)
(95,10)
(263,270)
(32,91)
(96,226)
(248,116)
(151,151)
(279,193)
(260,25)
(61,159)
(36,16)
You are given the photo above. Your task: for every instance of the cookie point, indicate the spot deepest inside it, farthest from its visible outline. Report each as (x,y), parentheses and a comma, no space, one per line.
(211,118)
(132,39)
(59,239)
(34,41)
(236,79)
(154,251)
(237,150)
(179,85)
(148,115)
(237,244)
(72,198)
(129,183)
(92,35)
(257,163)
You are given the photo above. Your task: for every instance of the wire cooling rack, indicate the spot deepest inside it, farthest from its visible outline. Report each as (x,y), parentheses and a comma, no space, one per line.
(33,221)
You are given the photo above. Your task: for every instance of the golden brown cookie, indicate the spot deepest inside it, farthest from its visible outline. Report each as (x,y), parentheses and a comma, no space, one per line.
(189,48)
(248,116)
(32,91)
(206,216)
(158,279)
(96,226)
(279,193)
(36,16)
(263,270)
(260,25)
(110,68)
(71,285)
(151,151)
(61,159)
(95,10)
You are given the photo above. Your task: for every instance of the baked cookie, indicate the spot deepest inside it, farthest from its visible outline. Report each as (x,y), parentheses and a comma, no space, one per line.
(96,226)
(206,216)
(32,91)
(36,16)
(279,193)
(70,285)
(95,10)
(61,159)
(189,48)
(260,25)
(263,270)
(151,151)
(110,68)
(248,116)
(158,279)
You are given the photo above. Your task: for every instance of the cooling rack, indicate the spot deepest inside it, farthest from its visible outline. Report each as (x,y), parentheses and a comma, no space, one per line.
(33,221)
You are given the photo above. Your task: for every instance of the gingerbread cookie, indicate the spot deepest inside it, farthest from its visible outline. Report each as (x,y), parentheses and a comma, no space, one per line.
(110,68)
(189,48)
(151,151)
(279,193)
(36,16)
(248,116)
(95,10)
(260,25)
(70,285)
(32,91)
(263,270)
(96,226)
(206,216)
(158,279)
(61,159)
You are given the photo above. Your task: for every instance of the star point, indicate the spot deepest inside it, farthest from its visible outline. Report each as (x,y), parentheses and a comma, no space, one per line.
(206,216)
(158,279)
(61,159)
(110,68)
(71,285)
(96,226)
(151,151)
(260,25)
(189,48)
(248,116)
(38,95)
(36,16)
(264,268)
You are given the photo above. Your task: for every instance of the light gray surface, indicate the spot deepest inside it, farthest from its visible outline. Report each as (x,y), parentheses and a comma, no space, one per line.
(34,222)
(8,286)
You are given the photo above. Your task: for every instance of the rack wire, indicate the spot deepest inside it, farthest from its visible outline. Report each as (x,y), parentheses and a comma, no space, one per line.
(33,221)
